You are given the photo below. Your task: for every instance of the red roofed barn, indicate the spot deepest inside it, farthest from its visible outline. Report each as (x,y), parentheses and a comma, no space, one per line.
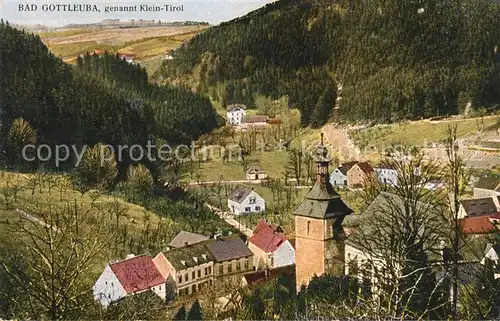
(270,246)
(133,275)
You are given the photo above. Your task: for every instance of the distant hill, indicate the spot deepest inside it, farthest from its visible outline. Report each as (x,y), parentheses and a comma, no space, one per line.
(101,99)
(393,60)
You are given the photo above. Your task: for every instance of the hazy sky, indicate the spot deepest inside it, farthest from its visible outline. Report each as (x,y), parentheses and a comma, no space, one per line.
(213,11)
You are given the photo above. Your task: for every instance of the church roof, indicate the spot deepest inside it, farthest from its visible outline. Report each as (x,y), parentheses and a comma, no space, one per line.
(322,201)
(323,209)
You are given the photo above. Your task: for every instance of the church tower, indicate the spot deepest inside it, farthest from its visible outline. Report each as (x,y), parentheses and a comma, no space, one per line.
(319,235)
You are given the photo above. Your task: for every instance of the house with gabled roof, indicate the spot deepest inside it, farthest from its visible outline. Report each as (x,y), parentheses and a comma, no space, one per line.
(191,267)
(245,200)
(235,114)
(254,172)
(483,224)
(492,252)
(270,247)
(386,174)
(488,187)
(339,175)
(477,207)
(358,174)
(185,238)
(231,256)
(194,267)
(135,274)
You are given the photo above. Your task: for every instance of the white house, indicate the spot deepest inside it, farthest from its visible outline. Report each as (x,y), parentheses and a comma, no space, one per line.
(235,114)
(245,200)
(133,275)
(270,247)
(339,175)
(386,175)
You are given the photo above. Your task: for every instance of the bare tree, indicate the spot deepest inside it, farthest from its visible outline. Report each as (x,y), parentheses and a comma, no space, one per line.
(456,181)
(52,273)
(400,230)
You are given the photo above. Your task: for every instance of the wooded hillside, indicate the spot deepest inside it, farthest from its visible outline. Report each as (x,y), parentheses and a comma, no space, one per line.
(394,59)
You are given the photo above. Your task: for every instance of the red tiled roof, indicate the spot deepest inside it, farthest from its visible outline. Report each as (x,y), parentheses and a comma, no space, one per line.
(137,274)
(479,224)
(267,237)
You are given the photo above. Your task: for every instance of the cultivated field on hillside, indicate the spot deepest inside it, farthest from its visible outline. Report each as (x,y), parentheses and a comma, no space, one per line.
(145,43)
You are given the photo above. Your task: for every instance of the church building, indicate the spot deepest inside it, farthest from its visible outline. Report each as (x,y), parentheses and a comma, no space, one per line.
(319,235)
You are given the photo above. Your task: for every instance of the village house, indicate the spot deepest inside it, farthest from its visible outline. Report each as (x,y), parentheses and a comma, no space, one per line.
(235,114)
(190,267)
(133,275)
(478,225)
(231,256)
(186,238)
(492,253)
(488,187)
(195,267)
(254,172)
(477,207)
(339,175)
(270,247)
(386,175)
(358,174)
(245,200)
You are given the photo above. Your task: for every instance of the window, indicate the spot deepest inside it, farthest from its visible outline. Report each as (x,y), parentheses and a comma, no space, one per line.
(230,268)
(209,270)
(221,269)
(308,227)
(272,261)
(238,266)
(193,275)
(246,264)
(252,200)
(186,277)
(247,209)
(180,279)
(159,288)
(257,208)
(199,273)
(109,296)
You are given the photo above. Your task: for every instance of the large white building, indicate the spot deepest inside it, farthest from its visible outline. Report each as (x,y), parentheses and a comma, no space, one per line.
(245,200)
(235,114)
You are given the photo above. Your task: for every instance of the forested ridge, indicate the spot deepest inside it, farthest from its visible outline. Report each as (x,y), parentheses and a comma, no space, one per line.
(392,59)
(102,99)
